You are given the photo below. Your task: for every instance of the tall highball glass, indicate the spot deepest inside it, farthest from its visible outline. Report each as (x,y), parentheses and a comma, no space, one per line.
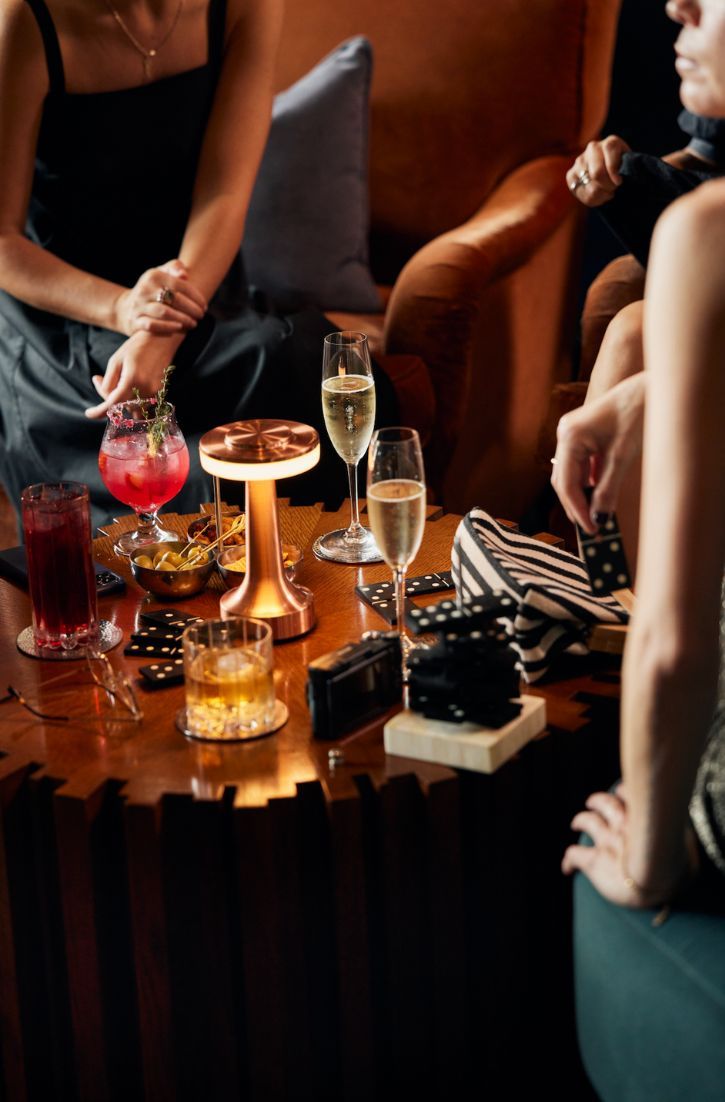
(348,406)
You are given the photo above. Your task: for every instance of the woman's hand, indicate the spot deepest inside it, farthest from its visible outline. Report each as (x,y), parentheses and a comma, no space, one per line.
(605,862)
(138,363)
(163,302)
(595,447)
(594,177)
(605,821)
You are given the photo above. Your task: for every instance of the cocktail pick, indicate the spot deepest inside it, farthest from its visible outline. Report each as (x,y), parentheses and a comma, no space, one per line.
(187,546)
(237,526)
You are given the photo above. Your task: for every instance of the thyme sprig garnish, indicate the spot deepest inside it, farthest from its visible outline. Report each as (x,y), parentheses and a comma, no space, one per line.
(157,430)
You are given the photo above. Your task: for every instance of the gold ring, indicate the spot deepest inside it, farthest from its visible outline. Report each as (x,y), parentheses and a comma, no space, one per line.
(166,296)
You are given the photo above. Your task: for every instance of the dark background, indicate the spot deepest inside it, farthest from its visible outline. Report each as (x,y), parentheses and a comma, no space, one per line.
(644,105)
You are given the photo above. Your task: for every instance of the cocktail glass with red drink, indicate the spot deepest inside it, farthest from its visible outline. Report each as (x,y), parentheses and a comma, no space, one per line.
(57,531)
(143,462)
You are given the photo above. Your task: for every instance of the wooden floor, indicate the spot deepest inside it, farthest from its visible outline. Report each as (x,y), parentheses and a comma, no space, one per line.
(8,530)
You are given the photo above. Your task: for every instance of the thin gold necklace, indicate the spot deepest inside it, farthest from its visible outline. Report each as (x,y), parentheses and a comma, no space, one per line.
(147,56)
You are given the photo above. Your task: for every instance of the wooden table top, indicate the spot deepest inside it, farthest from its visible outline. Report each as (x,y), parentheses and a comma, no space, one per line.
(153,758)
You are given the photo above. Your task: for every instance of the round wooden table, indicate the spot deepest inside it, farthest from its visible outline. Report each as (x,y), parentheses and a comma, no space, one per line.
(182,919)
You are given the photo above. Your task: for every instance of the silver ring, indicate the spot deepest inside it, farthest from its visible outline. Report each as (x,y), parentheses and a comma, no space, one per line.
(554,461)
(165,296)
(581,181)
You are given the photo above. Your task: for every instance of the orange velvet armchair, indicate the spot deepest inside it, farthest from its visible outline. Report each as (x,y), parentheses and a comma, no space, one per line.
(477,110)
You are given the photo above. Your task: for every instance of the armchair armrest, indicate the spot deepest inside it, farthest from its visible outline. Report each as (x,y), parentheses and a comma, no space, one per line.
(436,300)
(617,285)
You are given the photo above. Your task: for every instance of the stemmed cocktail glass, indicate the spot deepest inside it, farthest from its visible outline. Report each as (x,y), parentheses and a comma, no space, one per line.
(144,463)
(348,406)
(396,507)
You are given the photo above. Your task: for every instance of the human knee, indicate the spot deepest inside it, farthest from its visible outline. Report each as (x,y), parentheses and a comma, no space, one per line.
(620,354)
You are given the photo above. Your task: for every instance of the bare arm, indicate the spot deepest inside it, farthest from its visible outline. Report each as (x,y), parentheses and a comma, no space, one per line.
(671,661)
(26,270)
(230,156)
(233,144)
(29,272)
(641,834)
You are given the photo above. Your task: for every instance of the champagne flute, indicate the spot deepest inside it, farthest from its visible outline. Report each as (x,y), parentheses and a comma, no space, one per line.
(396,507)
(348,406)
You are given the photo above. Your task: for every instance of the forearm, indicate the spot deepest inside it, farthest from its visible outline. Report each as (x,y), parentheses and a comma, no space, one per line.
(672,656)
(233,146)
(221,199)
(212,239)
(667,705)
(40,279)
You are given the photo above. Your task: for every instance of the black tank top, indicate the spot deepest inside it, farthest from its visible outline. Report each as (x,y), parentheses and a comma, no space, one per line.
(114,171)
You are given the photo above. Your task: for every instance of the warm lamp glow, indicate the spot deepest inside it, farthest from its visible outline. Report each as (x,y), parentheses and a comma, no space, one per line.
(259,452)
(257,472)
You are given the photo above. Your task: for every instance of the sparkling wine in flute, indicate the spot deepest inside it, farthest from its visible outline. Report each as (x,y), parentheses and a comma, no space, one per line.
(397,517)
(397,509)
(348,406)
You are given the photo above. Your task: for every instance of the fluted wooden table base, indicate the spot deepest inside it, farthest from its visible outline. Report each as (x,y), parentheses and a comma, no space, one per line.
(188,921)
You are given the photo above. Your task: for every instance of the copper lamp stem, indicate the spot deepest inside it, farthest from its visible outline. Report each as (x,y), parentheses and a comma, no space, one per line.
(266,593)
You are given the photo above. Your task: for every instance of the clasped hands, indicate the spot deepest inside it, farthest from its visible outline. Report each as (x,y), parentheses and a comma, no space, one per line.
(163,301)
(156,314)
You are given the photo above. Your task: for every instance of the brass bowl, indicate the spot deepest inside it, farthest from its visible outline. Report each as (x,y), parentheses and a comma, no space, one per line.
(232,578)
(206,524)
(170,584)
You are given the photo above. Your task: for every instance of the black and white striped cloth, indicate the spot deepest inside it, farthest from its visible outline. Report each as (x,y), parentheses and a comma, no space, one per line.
(554,608)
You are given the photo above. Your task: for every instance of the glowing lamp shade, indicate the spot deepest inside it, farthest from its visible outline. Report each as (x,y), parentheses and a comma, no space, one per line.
(259,452)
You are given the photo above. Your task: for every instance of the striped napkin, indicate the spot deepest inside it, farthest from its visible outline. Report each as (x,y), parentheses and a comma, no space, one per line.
(554,608)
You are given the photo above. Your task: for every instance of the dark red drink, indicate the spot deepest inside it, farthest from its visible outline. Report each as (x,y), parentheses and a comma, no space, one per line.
(57,527)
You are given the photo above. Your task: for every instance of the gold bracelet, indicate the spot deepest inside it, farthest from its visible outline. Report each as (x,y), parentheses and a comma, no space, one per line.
(664,907)
(631,884)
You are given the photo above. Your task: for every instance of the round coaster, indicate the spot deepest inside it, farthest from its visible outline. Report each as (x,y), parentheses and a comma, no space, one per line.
(109,636)
(280,717)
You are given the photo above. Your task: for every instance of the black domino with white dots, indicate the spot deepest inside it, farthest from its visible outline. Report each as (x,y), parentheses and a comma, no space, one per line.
(604,558)
(163,673)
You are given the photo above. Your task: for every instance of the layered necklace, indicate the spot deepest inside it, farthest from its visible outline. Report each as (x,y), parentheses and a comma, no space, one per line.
(147,55)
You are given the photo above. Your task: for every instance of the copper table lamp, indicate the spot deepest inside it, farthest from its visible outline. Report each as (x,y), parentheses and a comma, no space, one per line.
(259,452)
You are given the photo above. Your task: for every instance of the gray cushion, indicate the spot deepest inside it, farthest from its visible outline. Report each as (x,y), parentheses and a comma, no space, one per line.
(306,238)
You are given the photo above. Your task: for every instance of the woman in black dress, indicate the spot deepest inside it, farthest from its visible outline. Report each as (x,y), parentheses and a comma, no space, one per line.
(130,136)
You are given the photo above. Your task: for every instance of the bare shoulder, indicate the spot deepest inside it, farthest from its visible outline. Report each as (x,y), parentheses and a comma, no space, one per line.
(18,25)
(22,53)
(687,252)
(254,13)
(696,222)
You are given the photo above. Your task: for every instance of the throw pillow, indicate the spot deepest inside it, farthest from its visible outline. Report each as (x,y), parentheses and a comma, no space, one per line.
(306,238)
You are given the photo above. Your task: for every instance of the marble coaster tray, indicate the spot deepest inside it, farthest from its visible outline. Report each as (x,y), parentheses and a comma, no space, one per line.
(464,746)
